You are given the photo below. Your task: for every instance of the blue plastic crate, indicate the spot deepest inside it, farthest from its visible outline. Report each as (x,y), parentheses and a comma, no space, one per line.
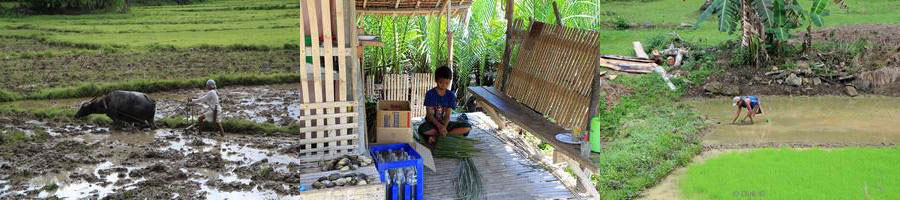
(415,161)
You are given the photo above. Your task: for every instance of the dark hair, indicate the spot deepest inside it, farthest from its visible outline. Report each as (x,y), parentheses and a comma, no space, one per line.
(443,72)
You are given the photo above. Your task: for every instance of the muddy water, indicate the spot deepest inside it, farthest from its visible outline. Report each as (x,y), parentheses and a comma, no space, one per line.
(804,121)
(277,104)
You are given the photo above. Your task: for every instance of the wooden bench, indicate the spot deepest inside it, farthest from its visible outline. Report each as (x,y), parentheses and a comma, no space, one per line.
(553,77)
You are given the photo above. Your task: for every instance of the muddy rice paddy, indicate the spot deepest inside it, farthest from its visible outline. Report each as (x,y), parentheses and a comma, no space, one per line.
(820,121)
(85,161)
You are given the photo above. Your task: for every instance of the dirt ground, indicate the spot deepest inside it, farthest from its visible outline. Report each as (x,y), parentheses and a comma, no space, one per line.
(875,46)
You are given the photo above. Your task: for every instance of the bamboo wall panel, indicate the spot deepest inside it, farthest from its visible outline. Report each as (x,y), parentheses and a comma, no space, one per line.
(553,70)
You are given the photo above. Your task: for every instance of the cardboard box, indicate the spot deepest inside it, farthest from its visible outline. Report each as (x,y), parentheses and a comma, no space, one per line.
(393,135)
(393,114)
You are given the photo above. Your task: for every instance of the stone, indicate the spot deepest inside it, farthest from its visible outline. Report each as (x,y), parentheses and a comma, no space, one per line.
(731,91)
(816,81)
(851,90)
(718,88)
(794,80)
(713,87)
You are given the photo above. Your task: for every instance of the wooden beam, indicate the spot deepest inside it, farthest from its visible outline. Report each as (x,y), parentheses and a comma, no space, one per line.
(639,50)
(365,3)
(493,114)
(419,2)
(584,180)
(304,86)
(342,79)
(356,69)
(397,5)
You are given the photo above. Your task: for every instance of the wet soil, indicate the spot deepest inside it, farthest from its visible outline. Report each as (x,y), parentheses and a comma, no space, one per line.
(274,104)
(158,164)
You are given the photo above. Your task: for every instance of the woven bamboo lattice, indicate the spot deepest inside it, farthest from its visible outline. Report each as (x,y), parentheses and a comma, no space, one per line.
(329,124)
(419,84)
(412,88)
(553,71)
(410,7)
(396,87)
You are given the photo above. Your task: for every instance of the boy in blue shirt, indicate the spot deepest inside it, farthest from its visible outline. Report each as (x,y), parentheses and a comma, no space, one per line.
(439,103)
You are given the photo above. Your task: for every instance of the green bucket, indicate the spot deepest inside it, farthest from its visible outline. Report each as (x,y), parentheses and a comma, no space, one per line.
(596,139)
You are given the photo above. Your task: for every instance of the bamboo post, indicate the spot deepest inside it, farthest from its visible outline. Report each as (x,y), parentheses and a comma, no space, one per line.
(597,94)
(357,73)
(556,13)
(449,37)
(510,9)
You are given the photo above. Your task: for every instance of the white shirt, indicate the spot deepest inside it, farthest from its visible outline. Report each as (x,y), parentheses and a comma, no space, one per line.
(211,99)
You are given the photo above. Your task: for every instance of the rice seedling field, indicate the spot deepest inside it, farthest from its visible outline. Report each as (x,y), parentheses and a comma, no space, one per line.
(847,173)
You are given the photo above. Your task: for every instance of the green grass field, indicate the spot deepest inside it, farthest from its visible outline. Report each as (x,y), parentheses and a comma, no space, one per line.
(271,23)
(850,173)
(675,12)
(274,23)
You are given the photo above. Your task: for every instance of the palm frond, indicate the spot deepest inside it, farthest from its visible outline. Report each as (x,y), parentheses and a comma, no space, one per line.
(727,12)
(764,9)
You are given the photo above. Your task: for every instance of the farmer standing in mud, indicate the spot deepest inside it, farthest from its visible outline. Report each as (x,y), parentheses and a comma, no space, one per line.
(751,103)
(211,100)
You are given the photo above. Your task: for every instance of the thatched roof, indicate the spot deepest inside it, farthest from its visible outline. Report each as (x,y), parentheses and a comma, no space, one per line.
(410,7)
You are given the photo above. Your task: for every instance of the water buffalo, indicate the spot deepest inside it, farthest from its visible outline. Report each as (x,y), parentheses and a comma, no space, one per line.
(122,106)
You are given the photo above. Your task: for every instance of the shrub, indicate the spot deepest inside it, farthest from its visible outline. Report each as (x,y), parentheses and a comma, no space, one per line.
(70,6)
(163,2)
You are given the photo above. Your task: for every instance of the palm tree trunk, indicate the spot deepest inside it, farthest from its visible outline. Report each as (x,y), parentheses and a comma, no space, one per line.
(747,27)
(752,29)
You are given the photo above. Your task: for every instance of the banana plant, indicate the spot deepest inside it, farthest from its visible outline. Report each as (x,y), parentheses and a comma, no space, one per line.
(765,23)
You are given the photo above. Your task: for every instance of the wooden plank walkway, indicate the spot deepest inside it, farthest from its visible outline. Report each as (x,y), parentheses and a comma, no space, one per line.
(506,174)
